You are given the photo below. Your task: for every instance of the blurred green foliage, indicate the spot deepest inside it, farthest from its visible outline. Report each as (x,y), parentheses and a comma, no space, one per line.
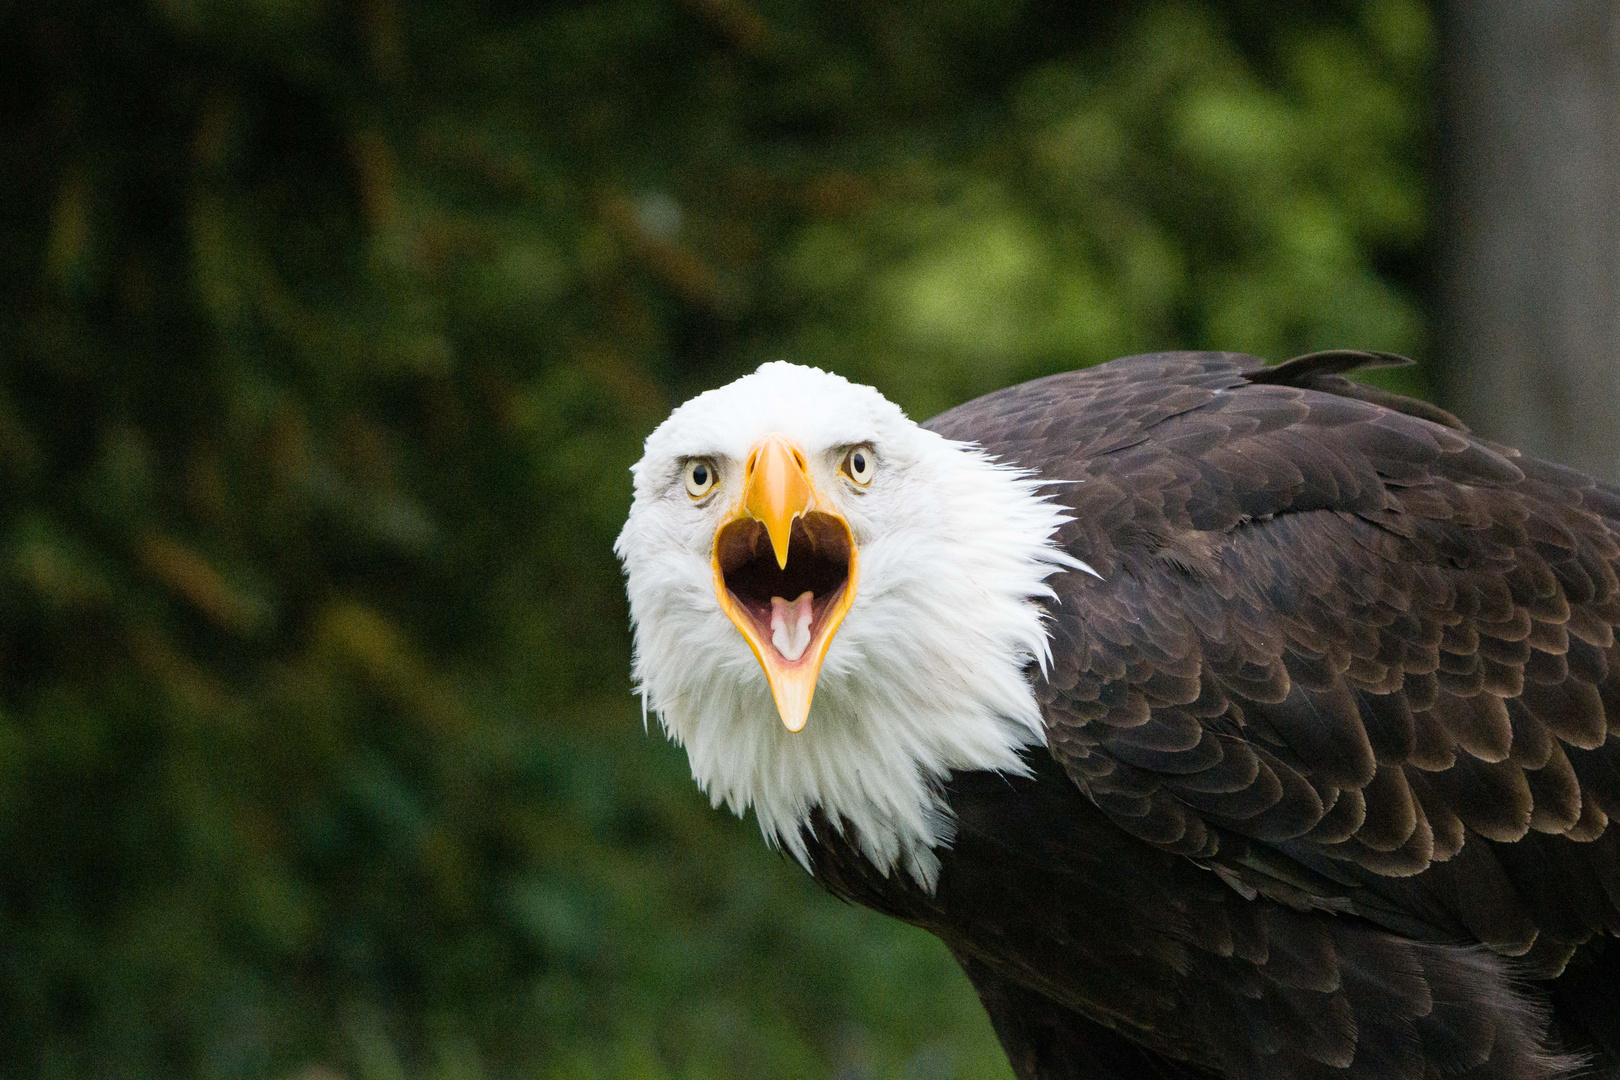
(327,331)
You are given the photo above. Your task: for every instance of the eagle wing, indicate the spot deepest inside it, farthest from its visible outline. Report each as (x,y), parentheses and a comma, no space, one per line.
(1338,649)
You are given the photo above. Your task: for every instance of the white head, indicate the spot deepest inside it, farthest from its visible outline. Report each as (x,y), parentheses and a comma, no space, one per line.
(835,607)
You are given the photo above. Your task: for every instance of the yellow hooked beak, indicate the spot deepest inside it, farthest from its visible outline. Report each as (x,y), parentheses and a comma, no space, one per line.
(785,570)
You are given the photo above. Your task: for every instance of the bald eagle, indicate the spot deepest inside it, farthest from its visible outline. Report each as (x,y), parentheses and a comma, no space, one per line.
(1223,720)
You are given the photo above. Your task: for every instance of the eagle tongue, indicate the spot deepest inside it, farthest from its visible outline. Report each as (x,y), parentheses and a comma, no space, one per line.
(790,624)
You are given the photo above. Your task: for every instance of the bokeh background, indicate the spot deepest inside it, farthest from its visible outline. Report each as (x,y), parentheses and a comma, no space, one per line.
(328,329)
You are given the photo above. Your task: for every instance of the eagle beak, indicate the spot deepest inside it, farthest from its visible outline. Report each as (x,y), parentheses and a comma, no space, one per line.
(784,569)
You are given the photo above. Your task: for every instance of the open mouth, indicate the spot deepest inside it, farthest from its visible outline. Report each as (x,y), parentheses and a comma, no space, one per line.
(787,608)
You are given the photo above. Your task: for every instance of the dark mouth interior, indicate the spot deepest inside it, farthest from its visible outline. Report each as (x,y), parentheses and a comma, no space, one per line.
(818,563)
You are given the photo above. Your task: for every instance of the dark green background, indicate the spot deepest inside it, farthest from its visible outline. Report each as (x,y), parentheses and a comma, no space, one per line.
(327,332)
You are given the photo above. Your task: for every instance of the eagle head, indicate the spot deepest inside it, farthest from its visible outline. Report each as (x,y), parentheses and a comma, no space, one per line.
(835,608)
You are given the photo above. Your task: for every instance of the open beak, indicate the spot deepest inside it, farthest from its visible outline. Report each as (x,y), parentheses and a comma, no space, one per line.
(785,569)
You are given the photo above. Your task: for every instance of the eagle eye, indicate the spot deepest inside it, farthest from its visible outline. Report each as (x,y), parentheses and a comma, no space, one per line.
(860,465)
(700,477)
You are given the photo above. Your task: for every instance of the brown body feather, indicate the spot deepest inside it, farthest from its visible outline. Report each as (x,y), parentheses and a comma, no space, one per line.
(1334,741)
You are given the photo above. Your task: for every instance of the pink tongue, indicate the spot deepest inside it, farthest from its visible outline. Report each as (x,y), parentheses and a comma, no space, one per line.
(790,625)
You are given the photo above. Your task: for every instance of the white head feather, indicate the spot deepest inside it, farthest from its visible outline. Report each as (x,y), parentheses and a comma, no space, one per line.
(927,673)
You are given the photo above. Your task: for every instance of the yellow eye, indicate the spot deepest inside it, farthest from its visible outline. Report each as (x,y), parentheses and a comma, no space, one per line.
(860,465)
(700,477)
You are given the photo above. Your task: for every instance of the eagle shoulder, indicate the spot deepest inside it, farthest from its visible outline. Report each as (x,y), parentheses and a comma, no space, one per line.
(1335,638)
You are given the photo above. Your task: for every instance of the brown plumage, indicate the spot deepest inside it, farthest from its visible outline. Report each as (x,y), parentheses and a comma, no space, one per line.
(1332,741)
